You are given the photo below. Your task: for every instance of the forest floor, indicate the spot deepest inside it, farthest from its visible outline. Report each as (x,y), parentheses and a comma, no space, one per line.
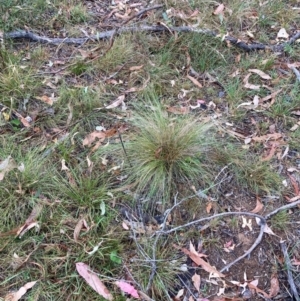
(141,164)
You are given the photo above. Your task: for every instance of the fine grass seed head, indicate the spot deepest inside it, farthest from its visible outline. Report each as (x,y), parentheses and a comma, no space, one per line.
(166,150)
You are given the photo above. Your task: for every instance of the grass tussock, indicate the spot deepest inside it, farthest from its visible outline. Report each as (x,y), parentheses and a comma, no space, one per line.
(166,150)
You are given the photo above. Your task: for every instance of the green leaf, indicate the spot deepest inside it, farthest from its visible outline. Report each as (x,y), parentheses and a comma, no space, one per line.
(114,257)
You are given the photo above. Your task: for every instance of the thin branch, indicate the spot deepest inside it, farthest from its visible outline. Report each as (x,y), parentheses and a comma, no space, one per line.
(285,207)
(187,287)
(146,28)
(297,73)
(289,272)
(258,239)
(254,245)
(210,218)
(138,14)
(141,12)
(294,38)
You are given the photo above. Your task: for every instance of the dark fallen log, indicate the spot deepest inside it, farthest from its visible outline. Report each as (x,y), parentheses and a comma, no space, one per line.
(23,34)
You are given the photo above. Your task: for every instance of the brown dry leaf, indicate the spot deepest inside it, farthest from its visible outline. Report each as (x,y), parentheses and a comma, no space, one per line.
(237,59)
(93,280)
(111,132)
(296,113)
(193,250)
(247,223)
(229,246)
(117,102)
(176,110)
(295,184)
(262,74)
(22,119)
(71,179)
(274,136)
(85,54)
(235,73)
(209,207)
(90,164)
(250,34)
(90,138)
(295,261)
(294,128)
(31,221)
(235,134)
(220,9)
(196,281)
(293,199)
(205,265)
(88,54)
(46,99)
(128,289)
(135,89)
(274,290)
(268,230)
(194,81)
(294,65)
(124,17)
(144,296)
(137,227)
(28,227)
(80,225)
(20,293)
(248,85)
(282,34)
(96,146)
(252,285)
(7,165)
(136,68)
(271,96)
(274,146)
(63,165)
(125,226)
(259,206)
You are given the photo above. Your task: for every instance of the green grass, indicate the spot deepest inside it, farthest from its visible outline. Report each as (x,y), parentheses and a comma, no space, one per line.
(248,170)
(280,221)
(54,252)
(166,150)
(17,81)
(165,153)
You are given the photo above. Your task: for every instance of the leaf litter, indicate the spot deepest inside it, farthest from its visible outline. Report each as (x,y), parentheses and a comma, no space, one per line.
(122,10)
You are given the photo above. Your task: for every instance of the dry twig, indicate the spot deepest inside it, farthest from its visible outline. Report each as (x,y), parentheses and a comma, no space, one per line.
(146,28)
(297,73)
(262,225)
(289,272)
(140,13)
(285,207)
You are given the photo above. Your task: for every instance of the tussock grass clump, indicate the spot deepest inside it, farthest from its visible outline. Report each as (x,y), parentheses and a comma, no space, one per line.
(166,150)
(249,171)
